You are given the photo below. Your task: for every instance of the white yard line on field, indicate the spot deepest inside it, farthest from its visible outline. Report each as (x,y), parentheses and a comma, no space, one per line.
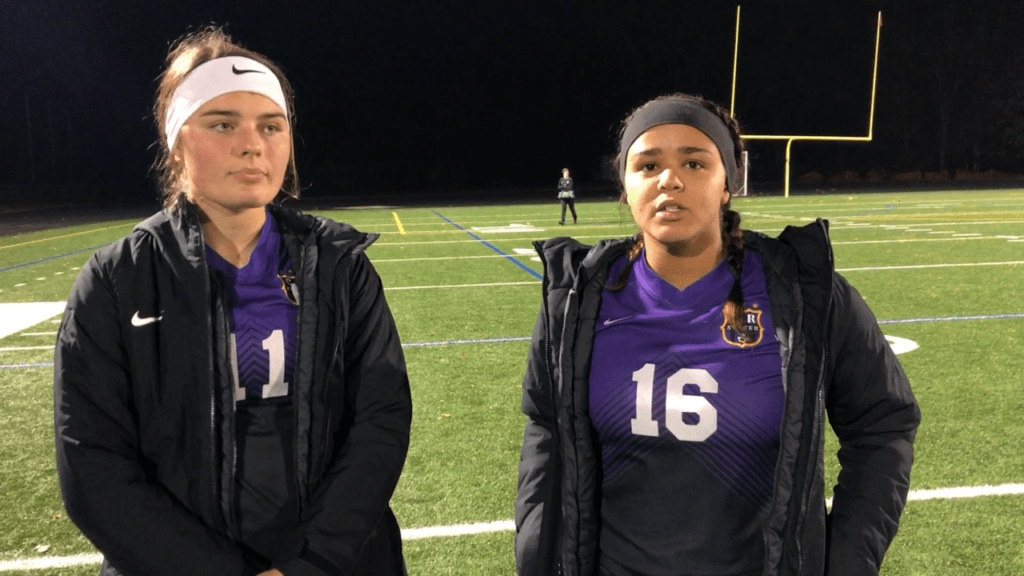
(380,245)
(915,266)
(458,530)
(530,240)
(903,240)
(22,348)
(379,260)
(840,225)
(909,266)
(19,316)
(41,563)
(534,282)
(54,562)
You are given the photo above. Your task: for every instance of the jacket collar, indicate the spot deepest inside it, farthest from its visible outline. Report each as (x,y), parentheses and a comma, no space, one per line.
(569,263)
(180,227)
(797,250)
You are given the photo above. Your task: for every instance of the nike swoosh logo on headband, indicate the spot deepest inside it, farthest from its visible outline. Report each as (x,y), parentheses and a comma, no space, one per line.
(237,71)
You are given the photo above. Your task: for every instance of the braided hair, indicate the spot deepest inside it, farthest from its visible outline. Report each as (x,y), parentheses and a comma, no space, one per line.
(732,234)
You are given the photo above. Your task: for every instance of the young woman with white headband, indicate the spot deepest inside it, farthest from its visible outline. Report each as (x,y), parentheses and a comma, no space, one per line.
(678,381)
(230,391)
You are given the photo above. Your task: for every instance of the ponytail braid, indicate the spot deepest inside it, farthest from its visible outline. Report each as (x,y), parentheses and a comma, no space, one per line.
(732,240)
(633,253)
(732,234)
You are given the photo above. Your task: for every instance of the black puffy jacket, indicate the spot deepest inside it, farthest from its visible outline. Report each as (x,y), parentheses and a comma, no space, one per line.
(144,413)
(834,358)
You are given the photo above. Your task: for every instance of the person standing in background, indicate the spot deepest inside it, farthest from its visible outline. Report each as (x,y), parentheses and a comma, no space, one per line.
(566,195)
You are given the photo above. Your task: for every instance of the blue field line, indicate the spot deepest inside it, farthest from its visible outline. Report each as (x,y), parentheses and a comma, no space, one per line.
(57,257)
(507,256)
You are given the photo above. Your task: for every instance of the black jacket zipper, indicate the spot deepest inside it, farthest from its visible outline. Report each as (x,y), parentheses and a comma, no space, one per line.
(215,464)
(820,393)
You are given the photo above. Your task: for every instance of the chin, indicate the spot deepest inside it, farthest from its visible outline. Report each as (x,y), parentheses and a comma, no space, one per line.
(256,198)
(681,241)
(670,235)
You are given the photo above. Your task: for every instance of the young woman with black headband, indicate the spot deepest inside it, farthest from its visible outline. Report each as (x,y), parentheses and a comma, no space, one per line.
(678,381)
(230,392)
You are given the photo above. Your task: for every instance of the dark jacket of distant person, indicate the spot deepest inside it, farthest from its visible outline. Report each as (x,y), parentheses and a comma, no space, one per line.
(565,189)
(152,455)
(834,359)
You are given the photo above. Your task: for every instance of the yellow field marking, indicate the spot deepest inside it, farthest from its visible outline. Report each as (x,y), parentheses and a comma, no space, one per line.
(401,229)
(59,237)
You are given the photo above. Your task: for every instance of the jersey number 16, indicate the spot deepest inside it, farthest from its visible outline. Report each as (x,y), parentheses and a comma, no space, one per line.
(676,404)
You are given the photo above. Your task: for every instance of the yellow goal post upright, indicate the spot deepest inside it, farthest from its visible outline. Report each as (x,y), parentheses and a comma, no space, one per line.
(789,138)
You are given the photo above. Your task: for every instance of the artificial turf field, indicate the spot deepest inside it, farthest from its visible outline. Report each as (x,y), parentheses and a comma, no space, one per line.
(944,270)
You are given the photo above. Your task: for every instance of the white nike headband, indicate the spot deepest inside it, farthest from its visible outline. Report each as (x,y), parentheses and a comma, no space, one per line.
(211,79)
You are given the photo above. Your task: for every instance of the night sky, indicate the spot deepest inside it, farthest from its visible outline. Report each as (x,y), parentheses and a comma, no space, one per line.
(417,97)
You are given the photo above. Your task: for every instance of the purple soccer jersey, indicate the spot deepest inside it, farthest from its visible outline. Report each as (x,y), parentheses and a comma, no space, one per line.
(262,317)
(687,414)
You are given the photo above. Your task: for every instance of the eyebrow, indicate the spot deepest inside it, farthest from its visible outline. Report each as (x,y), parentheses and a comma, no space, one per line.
(236,114)
(682,149)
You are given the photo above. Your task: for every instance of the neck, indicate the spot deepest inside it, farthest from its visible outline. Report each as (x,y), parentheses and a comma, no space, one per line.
(232,235)
(683,264)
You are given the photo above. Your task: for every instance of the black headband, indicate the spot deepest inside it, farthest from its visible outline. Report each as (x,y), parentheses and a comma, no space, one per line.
(681,111)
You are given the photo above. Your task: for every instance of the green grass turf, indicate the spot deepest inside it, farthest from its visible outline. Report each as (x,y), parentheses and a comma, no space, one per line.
(959,538)
(485,554)
(32,511)
(467,431)
(467,426)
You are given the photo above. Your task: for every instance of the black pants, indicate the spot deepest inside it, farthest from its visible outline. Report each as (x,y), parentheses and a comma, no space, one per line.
(572,207)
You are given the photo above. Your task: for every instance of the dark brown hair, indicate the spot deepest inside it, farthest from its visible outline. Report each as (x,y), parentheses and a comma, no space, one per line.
(732,235)
(185,55)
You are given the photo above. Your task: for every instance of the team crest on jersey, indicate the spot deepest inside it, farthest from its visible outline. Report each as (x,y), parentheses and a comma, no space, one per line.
(289,287)
(751,324)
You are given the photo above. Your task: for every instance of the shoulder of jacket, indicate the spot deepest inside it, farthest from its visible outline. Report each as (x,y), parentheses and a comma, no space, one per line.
(145,233)
(160,224)
(807,248)
(811,244)
(328,234)
(564,258)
